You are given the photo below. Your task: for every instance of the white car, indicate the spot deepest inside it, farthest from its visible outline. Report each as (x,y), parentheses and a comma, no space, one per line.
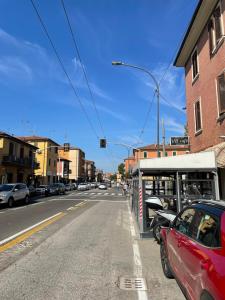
(82,187)
(12,192)
(102,187)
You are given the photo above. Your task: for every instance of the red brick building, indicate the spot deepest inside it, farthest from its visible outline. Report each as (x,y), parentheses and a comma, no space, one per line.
(202,54)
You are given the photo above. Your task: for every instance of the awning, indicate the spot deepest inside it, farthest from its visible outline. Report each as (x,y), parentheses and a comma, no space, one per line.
(199,162)
(219,151)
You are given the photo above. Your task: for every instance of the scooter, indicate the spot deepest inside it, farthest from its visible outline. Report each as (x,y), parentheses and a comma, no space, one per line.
(161,216)
(164,218)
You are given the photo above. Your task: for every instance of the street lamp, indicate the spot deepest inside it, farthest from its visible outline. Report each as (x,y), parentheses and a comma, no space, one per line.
(120,63)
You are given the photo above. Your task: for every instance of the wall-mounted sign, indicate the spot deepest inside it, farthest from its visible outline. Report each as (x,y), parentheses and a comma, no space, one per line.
(179,140)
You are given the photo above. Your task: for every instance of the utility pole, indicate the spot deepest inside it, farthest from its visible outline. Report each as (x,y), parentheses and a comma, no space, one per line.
(164,138)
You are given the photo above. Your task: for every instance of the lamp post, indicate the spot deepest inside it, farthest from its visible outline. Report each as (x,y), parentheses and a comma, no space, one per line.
(120,63)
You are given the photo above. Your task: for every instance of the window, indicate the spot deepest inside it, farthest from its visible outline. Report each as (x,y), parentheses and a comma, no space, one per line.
(198,122)
(221,92)
(49,162)
(11,148)
(56,149)
(160,154)
(174,153)
(166,153)
(215,29)
(206,229)
(54,163)
(184,220)
(145,154)
(194,60)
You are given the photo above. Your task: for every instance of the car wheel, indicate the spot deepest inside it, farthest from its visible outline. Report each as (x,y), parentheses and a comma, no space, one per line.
(26,199)
(164,261)
(206,296)
(10,202)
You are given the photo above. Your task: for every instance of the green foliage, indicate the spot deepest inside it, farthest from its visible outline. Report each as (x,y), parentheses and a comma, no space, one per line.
(121,169)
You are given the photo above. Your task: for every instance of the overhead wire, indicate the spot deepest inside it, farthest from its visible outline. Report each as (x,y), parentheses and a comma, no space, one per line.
(63,68)
(82,66)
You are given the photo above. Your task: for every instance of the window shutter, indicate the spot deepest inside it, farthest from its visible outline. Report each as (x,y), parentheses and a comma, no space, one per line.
(221,91)
(218,30)
(210,30)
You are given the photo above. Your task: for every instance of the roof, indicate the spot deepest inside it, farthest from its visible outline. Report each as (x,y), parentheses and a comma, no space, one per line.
(167,147)
(16,139)
(198,21)
(130,158)
(36,138)
(89,161)
(202,161)
(63,159)
(219,150)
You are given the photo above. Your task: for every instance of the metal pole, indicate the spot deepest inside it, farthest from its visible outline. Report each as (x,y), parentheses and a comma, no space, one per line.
(178,193)
(163,133)
(216,182)
(157,91)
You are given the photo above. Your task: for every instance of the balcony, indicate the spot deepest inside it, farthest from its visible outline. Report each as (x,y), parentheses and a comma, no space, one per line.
(25,162)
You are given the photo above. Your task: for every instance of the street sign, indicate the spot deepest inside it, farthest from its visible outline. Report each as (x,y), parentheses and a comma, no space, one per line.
(179,140)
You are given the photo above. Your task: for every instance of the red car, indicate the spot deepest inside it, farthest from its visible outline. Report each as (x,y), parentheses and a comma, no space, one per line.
(193,250)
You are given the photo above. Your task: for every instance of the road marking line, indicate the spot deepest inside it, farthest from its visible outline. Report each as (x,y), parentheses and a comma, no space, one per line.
(70,208)
(26,233)
(142,295)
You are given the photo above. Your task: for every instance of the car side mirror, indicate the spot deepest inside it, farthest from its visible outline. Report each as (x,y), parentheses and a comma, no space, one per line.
(15,190)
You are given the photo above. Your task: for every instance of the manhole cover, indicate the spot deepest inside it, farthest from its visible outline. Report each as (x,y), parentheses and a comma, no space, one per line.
(132,284)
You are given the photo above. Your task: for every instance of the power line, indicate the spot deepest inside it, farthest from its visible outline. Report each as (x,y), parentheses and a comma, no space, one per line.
(63,67)
(82,65)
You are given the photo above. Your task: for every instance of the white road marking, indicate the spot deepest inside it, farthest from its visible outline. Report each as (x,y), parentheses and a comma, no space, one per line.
(27,229)
(142,295)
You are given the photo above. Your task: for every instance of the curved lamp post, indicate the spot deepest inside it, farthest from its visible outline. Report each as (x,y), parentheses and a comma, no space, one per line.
(120,63)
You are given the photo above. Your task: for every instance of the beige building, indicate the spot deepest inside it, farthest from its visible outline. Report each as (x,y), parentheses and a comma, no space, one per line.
(77,163)
(46,157)
(17,160)
(89,168)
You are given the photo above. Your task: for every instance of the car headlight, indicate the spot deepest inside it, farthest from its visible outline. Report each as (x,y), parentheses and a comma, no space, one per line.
(4,194)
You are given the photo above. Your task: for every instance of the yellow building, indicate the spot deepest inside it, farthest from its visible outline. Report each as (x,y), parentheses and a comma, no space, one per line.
(47,158)
(77,162)
(17,160)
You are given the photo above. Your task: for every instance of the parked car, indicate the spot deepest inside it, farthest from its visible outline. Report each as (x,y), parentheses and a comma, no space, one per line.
(82,187)
(57,188)
(93,185)
(193,250)
(68,187)
(32,190)
(43,190)
(74,185)
(102,186)
(11,193)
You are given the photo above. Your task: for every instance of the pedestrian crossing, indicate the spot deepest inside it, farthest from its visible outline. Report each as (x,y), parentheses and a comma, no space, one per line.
(96,194)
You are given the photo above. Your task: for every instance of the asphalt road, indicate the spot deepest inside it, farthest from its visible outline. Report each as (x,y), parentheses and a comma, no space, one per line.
(78,246)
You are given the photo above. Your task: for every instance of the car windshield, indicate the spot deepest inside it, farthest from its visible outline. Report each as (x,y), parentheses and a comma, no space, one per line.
(42,186)
(6,187)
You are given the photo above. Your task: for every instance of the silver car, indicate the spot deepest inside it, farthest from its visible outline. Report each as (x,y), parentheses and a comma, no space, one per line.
(12,192)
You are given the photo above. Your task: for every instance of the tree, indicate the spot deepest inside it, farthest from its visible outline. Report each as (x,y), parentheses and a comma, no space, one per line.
(121,169)
(185,130)
(113,177)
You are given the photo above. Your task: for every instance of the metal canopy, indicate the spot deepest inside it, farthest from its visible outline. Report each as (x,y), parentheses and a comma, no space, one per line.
(199,162)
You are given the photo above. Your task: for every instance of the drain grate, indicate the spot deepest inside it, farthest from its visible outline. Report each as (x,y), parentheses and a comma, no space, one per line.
(132,284)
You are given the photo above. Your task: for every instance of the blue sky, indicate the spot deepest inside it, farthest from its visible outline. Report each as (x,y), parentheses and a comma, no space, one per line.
(37,99)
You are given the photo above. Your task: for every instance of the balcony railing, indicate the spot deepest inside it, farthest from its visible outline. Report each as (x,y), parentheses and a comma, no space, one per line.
(26,162)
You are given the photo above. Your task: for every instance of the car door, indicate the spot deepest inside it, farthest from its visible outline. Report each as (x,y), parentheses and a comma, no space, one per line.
(23,191)
(175,239)
(16,192)
(197,252)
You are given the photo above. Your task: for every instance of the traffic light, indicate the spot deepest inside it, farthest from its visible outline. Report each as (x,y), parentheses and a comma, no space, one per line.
(102,143)
(66,147)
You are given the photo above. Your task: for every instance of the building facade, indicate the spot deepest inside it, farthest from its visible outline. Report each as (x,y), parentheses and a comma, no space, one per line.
(17,160)
(150,151)
(63,169)
(89,168)
(129,164)
(46,156)
(202,55)
(77,163)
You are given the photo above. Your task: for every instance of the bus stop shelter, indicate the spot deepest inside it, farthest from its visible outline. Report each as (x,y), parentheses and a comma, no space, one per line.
(178,178)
